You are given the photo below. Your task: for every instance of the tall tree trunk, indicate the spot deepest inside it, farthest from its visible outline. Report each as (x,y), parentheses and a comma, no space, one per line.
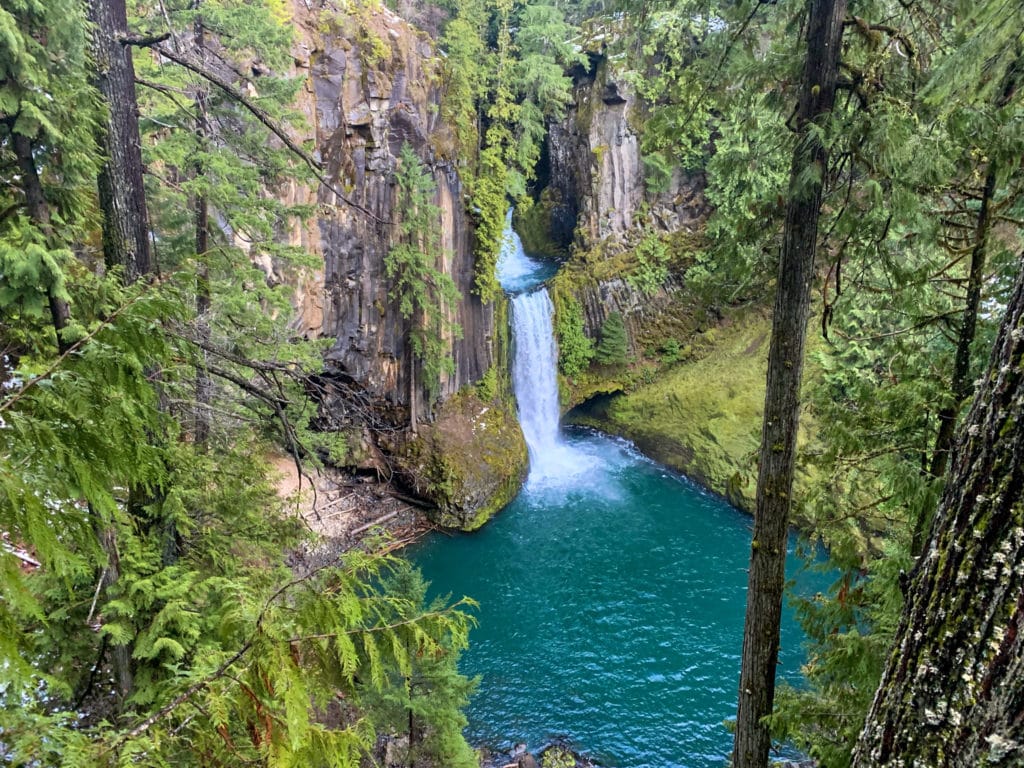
(39,212)
(961,384)
(952,693)
(125,225)
(204,386)
(120,654)
(121,190)
(413,389)
(782,396)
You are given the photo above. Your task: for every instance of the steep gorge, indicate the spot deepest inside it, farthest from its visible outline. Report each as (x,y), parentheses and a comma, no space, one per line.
(373,83)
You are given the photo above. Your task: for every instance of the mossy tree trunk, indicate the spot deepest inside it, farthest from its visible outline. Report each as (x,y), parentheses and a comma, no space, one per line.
(121,191)
(952,693)
(782,396)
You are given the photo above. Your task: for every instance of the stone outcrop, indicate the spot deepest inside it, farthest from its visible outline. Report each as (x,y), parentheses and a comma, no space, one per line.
(597,201)
(371,85)
(597,188)
(373,81)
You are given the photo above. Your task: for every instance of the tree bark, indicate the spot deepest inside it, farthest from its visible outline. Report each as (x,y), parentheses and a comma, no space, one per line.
(39,213)
(951,693)
(782,396)
(125,226)
(121,190)
(204,386)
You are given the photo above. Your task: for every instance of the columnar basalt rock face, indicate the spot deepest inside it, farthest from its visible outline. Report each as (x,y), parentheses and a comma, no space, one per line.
(598,201)
(371,85)
(597,171)
(371,88)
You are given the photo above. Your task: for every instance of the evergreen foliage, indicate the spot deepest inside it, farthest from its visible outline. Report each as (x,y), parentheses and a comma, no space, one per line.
(505,79)
(652,262)
(49,114)
(614,343)
(425,700)
(466,74)
(234,656)
(575,349)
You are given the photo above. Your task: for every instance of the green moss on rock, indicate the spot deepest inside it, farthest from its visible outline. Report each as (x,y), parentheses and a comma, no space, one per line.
(533,225)
(469,463)
(702,417)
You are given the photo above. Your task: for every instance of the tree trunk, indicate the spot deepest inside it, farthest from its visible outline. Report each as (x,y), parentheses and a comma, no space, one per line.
(121,190)
(204,386)
(125,225)
(39,212)
(413,404)
(951,693)
(782,402)
(120,654)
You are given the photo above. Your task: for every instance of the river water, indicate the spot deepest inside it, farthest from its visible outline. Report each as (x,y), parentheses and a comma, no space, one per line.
(611,590)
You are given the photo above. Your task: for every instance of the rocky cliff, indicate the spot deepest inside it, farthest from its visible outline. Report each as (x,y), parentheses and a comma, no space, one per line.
(596,201)
(371,86)
(692,393)
(598,191)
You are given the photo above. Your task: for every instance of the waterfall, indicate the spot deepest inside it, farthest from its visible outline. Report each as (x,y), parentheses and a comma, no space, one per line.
(534,371)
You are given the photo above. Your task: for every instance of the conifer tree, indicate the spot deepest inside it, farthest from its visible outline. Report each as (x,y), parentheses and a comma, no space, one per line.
(614,343)
(782,405)
(47,116)
(234,656)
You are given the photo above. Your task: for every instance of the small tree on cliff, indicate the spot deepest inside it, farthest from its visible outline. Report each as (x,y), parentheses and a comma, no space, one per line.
(423,291)
(614,343)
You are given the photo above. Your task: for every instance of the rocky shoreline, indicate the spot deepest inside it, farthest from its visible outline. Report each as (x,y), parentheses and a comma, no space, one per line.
(556,754)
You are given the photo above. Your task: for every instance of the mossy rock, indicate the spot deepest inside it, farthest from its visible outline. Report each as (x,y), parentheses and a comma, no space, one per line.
(702,417)
(534,227)
(469,463)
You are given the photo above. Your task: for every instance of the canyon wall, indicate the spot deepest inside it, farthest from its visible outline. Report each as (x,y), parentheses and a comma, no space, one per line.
(371,85)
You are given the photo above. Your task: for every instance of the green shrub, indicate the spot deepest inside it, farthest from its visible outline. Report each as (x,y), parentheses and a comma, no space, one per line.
(652,259)
(575,350)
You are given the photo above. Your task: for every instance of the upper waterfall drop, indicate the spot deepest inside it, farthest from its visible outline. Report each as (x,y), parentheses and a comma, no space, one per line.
(517,272)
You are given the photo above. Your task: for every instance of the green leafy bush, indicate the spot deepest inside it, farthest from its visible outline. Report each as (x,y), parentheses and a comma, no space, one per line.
(575,350)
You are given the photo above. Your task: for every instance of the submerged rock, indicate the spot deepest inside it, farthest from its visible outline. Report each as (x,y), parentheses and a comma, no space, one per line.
(558,754)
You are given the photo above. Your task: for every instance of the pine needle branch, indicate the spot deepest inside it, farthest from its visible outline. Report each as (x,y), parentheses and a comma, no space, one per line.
(45,375)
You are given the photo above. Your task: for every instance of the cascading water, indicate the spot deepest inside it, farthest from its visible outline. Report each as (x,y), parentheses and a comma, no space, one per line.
(533,372)
(534,377)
